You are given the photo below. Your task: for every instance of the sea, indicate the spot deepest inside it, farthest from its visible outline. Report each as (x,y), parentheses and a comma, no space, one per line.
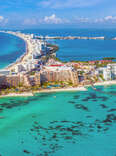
(59,124)
(11,48)
(81,50)
(74,123)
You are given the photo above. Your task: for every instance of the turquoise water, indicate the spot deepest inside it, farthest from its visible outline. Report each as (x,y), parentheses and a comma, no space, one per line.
(11,48)
(59,124)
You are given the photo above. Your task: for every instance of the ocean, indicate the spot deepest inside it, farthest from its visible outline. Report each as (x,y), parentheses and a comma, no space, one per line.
(75,123)
(11,48)
(81,50)
(59,124)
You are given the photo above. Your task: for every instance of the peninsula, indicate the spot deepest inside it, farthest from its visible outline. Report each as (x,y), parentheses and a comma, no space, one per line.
(38,70)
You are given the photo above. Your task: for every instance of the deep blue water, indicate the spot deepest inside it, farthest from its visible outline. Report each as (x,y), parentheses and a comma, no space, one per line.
(11,48)
(83,50)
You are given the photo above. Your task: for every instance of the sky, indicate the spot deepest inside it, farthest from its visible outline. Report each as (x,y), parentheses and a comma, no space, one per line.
(23,14)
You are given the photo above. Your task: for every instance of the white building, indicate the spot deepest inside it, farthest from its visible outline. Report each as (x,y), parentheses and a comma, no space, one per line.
(109,72)
(19,68)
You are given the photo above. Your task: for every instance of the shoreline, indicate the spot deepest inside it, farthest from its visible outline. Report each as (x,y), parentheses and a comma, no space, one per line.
(71,89)
(21,56)
(20,59)
(26,94)
(105,83)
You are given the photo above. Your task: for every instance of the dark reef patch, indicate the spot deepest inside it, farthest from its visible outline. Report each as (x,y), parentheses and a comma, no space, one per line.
(94,97)
(27,152)
(55,132)
(79,106)
(112,110)
(103,106)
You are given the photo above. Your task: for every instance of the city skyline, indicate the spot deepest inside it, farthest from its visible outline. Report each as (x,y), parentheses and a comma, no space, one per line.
(58,14)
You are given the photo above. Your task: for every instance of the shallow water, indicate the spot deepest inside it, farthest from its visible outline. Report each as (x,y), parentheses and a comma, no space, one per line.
(59,124)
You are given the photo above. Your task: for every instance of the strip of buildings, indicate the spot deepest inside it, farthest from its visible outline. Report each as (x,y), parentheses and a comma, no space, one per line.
(18,73)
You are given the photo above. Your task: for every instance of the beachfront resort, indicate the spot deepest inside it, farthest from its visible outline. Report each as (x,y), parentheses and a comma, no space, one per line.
(38,69)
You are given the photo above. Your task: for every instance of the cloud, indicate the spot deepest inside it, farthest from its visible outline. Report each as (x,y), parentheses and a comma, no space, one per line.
(67,3)
(107,19)
(1,18)
(53,19)
(3,21)
(111,19)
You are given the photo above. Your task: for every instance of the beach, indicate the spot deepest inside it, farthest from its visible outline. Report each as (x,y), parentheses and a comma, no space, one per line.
(17,95)
(71,89)
(62,90)
(112,82)
(57,121)
(25,94)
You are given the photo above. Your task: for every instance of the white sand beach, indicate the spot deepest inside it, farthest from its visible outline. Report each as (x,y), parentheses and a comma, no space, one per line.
(62,90)
(113,82)
(17,94)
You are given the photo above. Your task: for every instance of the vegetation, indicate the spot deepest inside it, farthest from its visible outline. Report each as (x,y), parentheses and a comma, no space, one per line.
(32,73)
(57,84)
(101,76)
(109,58)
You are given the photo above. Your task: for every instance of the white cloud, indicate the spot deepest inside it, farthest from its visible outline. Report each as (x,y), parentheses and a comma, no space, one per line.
(53,19)
(107,19)
(1,18)
(3,21)
(111,19)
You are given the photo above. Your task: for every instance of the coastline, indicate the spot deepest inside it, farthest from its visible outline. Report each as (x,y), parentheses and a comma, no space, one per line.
(81,88)
(20,59)
(26,94)
(62,90)
(105,83)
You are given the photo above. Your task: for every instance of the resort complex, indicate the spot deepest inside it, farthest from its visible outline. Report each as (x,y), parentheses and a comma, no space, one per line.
(38,68)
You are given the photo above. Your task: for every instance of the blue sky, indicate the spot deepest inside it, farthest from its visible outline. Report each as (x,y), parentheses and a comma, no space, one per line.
(57,13)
